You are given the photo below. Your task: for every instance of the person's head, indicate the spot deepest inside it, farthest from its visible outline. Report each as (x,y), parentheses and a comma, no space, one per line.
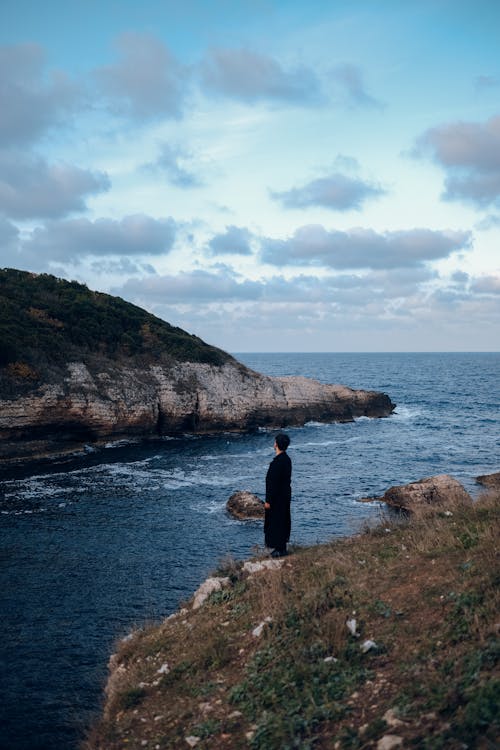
(282,441)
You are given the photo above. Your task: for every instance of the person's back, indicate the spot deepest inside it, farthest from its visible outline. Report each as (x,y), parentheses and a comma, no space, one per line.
(277,523)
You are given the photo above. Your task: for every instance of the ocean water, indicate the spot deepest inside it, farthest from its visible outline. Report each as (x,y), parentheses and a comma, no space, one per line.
(91,549)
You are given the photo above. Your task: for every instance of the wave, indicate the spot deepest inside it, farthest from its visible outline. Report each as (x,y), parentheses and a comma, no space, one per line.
(406,413)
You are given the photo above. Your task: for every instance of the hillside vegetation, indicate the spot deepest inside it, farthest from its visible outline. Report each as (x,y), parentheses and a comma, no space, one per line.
(387,639)
(46,322)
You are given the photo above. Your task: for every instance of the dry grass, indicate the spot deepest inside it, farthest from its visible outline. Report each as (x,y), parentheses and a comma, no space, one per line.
(425,591)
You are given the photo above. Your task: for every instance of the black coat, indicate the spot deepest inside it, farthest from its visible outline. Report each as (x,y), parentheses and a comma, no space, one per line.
(277,522)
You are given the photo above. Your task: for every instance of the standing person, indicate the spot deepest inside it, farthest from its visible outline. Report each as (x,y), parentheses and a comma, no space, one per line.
(277,521)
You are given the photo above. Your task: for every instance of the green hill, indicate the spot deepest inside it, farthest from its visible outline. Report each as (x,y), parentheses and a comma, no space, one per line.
(46,322)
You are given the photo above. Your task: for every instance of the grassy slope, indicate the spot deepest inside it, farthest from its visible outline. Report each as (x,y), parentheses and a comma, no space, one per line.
(46,321)
(426,592)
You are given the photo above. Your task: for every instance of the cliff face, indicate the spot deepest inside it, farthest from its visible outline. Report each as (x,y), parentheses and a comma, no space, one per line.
(88,404)
(78,367)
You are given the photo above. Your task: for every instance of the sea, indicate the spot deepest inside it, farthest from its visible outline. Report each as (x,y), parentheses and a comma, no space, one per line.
(118,539)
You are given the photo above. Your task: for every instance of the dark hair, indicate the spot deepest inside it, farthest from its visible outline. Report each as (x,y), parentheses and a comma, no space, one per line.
(282,441)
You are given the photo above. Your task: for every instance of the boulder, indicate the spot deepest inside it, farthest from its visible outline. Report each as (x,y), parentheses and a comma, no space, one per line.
(208,587)
(491,481)
(441,490)
(244,505)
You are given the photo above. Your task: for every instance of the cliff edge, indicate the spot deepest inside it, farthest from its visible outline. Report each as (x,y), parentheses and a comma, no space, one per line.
(79,367)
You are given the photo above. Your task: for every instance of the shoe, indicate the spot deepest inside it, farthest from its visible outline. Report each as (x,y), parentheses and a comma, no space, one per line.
(275,553)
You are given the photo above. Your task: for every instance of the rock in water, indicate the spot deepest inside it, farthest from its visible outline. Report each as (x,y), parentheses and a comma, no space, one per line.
(244,505)
(492,481)
(441,490)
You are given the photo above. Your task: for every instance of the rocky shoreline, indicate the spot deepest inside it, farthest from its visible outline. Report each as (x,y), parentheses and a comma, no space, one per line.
(245,611)
(86,405)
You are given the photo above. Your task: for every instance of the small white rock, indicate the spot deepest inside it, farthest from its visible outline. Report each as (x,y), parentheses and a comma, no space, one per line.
(391,719)
(192,740)
(389,741)
(330,659)
(351,627)
(208,587)
(164,669)
(256,567)
(257,632)
(367,645)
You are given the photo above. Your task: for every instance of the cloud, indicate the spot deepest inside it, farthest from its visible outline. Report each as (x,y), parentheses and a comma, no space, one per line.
(9,235)
(234,240)
(121,267)
(362,248)
(190,287)
(486,285)
(251,77)
(32,188)
(354,311)
(72,240)
(337,191)
(470,154)
(460,277)
(170,163)
(147,82)
(30,104)
(350,79)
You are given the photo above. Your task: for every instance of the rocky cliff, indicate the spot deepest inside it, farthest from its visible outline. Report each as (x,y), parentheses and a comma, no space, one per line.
(80,393)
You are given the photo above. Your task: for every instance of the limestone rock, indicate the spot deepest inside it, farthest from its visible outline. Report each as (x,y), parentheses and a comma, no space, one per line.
(426,494)
(256,567)
(90,403)
(491,481)
(208,587)
(244,505)
(389,742)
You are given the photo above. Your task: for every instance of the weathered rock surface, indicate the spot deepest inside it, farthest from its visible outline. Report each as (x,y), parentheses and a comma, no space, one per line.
(441,490)
(492,481)
(244,505)
(87,404)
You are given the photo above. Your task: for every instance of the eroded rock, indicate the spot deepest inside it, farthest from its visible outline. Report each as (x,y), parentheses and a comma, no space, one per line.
(208,587)
(492,481)
(244,505)
(88,403)
(441,491)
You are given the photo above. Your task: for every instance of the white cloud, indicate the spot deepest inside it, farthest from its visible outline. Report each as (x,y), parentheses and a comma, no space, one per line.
(32,188)
(362,248)
(338,192)
(172,162)
(349,78)
(486,285)
(30,104)
(192,288)
(470,154)
(9,235)
(251,77)
(70,241)
(234,240)
(147,82)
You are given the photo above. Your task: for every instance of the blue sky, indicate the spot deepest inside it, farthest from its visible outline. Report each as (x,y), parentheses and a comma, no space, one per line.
(272,176)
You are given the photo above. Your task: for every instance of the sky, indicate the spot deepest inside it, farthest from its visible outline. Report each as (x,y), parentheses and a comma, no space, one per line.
(270,175)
